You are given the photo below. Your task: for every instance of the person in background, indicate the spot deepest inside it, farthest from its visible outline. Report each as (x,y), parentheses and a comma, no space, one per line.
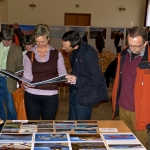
(11,60)
(99,42)
(130,94)
(85,79)
(28,43)
(110,72)
(117,41)
(42,101)
(19,34)
(84,38)
(148,34)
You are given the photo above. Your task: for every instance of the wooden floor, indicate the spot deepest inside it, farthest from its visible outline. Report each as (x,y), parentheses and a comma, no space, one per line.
(101,112)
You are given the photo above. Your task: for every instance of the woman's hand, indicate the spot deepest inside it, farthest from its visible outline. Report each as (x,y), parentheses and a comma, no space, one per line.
(27,85)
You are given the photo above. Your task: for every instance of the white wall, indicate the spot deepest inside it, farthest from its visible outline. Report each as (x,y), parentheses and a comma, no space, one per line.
(104,13)
(4,11)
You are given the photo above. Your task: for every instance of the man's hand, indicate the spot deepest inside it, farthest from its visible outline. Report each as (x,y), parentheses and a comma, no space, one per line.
(71,79)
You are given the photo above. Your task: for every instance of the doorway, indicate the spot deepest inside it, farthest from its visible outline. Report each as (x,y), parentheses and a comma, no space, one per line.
(75,19)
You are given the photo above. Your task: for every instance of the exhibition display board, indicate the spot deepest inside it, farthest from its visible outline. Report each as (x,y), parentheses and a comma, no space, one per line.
(67,135)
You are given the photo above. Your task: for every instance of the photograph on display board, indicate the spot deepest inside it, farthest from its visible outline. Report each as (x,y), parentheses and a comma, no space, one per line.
(53,146)
(15,146)
(90,146)
(114,32)
(3,25)
(85,137)
(94,31)
(81,30)
(56,32)
(127,29)
(27,29)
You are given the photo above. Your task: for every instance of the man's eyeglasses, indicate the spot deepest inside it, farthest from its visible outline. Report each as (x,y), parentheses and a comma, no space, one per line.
(134,46)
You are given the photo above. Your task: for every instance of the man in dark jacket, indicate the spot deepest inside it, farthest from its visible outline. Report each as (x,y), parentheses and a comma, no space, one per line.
(117,42)
(84,38)
(87,84)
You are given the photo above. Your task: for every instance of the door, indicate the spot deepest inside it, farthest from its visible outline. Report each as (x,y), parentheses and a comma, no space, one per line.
(73,19)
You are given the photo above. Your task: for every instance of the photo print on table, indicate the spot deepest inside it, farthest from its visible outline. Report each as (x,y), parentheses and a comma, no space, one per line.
(63,130)
(90,146)
(41,122)
(16,137)
(65,122)
(87,126)
(45,130)
(87,122)
(85,137)
(16,146)
(126,147)
(51,146)
(39,137)
(10,129)
(89,131)
(64,126)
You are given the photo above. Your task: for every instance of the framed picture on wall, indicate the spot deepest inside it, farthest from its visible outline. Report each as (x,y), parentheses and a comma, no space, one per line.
(93,32)
(114,32)
(81,30)
(27,29)
(56,32)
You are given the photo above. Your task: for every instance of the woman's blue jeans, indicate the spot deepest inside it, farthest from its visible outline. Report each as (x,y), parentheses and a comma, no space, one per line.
(6,97)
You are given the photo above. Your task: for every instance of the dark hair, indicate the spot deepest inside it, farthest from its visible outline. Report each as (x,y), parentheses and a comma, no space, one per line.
(7,33)
(28,39)
(99,33)
(41,30)
(138,31)
(147,27)
(73,37)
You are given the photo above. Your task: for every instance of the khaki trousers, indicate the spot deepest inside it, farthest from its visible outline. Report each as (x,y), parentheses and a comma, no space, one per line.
(128,118)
